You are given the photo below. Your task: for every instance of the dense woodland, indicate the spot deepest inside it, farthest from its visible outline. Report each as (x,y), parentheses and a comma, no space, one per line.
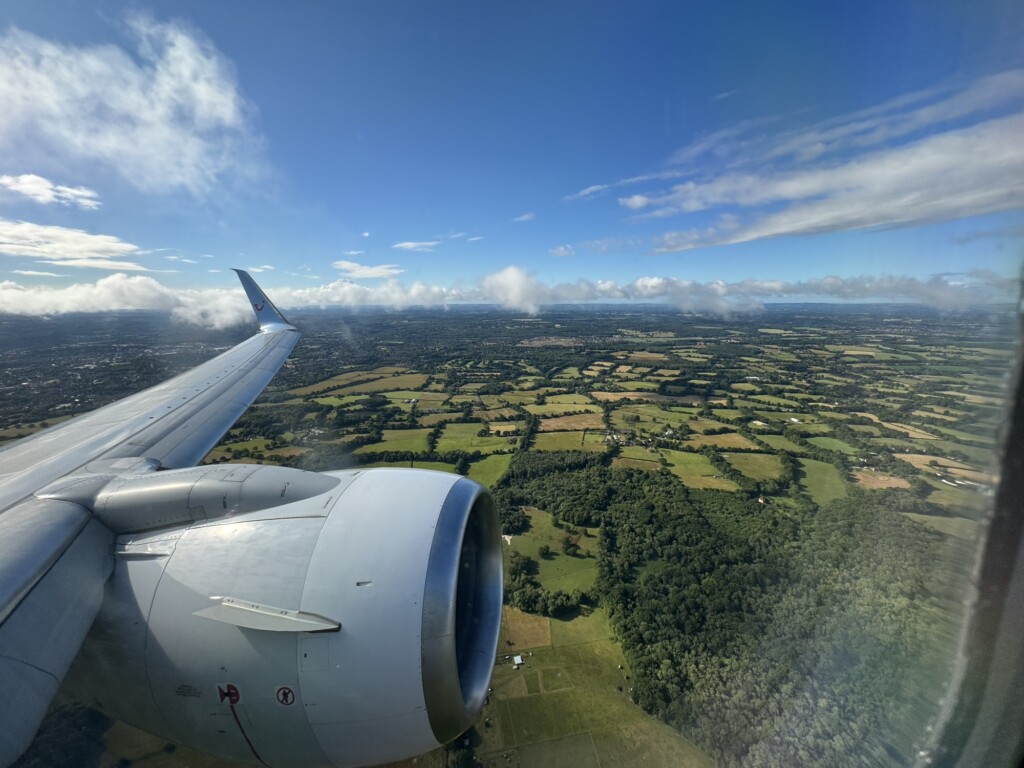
(770,637)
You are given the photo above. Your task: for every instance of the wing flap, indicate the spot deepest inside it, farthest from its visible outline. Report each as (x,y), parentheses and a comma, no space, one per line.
(33,536)
(41,637)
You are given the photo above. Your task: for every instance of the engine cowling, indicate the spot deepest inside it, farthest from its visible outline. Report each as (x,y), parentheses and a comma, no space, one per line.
(353,626)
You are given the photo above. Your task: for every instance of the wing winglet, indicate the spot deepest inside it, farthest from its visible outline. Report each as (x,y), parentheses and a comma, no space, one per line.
(269,316)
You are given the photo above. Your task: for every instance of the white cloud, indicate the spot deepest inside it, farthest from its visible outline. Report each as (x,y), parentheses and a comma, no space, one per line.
(113,265)
(211,308)
(363,271)
(957,174)
(35,273)
(352,253)
(590,191)
(165,116)
(181,259)
(724,95)
(944,153)
(424,247)
(514,288)
(365,234)
(635,202)
(473,239)
(561,250)
(66,247)
(46,192)
(262,268)
(457,235)
(530,216)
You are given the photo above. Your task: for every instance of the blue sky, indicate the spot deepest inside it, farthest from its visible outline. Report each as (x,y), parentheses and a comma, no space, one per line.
(713,155)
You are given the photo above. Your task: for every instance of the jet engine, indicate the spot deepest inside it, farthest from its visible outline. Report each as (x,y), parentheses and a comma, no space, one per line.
(285,618)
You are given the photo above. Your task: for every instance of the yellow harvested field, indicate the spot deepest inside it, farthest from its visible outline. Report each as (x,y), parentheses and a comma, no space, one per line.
(336,382)
(909,431)
(975,399)
(567,423)
(523,630)
(504,427)
(869,478)
(924,461)
(973,475)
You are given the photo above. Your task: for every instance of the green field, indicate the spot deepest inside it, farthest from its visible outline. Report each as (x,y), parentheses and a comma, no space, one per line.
(336,382)
(756,466)
(466,437)
(437,466)
(432,419)
(696,471)
(572,398)
(558,571)
(414,440)
(958,527)
(822,481)
(955,498)
(336,402)
(728,440)
(832,444)
(773,400)
(569,707)
(568,441)
(781,443)
(488,470)
(398,382)
(727,413)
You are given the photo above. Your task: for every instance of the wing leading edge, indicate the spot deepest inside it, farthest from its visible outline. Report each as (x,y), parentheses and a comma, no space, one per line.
(54,556)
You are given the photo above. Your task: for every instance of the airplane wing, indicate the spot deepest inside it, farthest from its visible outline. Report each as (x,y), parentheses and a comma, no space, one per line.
(54,556)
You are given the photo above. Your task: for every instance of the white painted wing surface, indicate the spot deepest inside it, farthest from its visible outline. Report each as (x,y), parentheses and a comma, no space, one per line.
(54,556)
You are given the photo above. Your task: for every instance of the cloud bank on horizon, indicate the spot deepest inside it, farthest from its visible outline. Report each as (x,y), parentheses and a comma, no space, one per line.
(511,288)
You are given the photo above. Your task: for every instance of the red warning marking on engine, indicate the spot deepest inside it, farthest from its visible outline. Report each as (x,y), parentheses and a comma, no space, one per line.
(285,696)
(229,693)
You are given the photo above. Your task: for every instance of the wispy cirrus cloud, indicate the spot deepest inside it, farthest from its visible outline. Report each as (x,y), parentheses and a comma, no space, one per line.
(357,271)
(44,191)
(419,247)
(165,115)
(262,268)
(562,250)
(35,273)
(944,153)
(528,216)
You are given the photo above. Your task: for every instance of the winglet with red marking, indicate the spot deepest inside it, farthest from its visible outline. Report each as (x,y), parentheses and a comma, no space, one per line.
(269,316)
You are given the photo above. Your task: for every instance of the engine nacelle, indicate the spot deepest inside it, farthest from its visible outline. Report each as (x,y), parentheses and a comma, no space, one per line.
(354,626)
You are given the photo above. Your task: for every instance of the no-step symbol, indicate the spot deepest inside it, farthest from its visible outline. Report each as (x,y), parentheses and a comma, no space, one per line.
(285,696)
(230,693)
